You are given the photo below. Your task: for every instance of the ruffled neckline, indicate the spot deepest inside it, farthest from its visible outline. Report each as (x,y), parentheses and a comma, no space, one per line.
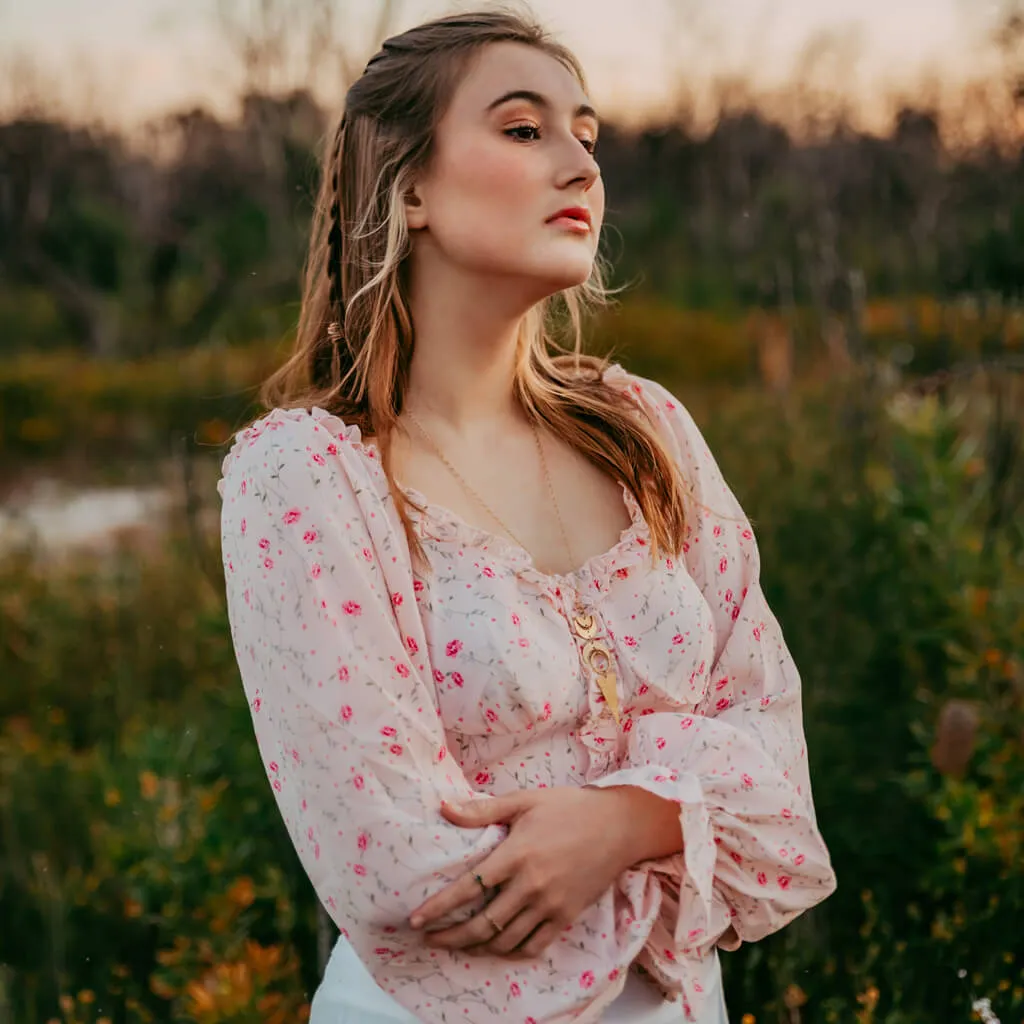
(443,525)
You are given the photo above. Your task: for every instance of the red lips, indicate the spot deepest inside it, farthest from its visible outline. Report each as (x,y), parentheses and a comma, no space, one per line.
(573,212)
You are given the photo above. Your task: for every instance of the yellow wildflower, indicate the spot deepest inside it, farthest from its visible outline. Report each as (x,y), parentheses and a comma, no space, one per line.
(148,784)
(243,892)
(869,997)
(262,959)
(794,997)
(160,988)
(202,998)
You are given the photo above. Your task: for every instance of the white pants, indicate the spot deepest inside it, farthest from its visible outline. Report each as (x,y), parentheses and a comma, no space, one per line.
(349,995)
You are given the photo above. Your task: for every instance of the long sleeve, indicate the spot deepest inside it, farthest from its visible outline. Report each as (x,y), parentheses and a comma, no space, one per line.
(322,607)
(753,858)
(331,648)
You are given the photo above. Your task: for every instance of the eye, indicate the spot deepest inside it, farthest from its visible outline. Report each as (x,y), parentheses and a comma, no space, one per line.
(590,145)
(513,132)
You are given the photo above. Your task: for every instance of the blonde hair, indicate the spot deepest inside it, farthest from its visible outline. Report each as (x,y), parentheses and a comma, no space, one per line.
(355,336)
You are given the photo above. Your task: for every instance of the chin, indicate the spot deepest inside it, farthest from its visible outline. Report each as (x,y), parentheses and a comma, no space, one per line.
(568,274)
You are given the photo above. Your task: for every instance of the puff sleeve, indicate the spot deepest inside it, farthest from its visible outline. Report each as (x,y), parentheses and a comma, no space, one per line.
(330,647)
(753,858)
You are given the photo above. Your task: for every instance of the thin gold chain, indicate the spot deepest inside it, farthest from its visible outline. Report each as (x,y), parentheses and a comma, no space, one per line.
(469,489)
(584,623)
(554,500)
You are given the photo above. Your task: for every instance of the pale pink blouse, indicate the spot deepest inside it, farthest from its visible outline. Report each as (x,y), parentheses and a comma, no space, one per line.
(377,691)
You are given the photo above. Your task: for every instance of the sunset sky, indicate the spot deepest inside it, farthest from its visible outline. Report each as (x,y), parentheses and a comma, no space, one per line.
(132,58)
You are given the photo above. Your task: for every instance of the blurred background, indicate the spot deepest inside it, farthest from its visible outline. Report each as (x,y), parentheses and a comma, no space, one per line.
(819,211)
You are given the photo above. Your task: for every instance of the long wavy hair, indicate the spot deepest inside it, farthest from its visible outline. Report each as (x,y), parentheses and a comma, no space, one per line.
(356,335)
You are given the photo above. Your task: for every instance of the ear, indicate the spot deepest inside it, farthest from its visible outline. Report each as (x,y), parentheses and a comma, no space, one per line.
(415,209)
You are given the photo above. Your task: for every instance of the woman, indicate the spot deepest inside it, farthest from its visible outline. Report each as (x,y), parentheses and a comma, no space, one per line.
(459,569)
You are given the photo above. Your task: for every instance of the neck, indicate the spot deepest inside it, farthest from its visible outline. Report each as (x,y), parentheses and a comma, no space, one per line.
(463,364)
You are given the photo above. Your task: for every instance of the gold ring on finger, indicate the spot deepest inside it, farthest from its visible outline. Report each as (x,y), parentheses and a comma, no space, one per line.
(494,924)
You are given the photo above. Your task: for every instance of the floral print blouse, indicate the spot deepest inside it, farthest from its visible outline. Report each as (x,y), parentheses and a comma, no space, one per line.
(377,691)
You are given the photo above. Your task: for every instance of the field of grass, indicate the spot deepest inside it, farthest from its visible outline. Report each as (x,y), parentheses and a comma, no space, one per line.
(145,875)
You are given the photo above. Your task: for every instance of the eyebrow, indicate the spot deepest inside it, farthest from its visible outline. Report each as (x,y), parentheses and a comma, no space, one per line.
(540,100)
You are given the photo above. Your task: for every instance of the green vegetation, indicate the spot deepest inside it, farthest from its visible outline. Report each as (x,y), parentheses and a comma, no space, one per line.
(793,287)
(146,875)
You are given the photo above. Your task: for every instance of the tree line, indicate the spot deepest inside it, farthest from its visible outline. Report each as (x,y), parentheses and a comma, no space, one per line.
(197,236)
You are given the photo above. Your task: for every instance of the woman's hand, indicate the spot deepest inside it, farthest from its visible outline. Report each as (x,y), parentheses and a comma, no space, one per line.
(565,848)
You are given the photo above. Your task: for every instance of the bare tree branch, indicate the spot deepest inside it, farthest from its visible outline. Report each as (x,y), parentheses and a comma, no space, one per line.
(295,44)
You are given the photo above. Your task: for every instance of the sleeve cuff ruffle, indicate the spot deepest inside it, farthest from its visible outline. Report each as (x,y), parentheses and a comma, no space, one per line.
(752,858)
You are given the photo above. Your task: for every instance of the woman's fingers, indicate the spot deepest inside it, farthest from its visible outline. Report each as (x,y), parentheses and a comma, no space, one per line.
(516,932)
(465,889)
(538,942)
(480,928)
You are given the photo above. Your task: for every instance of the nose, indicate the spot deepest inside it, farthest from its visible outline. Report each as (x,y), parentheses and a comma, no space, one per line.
(580,167)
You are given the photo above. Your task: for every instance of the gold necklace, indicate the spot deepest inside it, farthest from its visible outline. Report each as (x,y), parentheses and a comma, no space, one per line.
(473,493)
(595,653)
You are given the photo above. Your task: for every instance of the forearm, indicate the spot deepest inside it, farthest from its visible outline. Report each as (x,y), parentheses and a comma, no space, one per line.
(650,824)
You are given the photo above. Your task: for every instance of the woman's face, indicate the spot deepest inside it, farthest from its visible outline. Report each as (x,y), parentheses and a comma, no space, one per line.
(504,165)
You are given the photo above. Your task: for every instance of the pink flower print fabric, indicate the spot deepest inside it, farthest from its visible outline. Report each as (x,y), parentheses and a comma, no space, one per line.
(376,692)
